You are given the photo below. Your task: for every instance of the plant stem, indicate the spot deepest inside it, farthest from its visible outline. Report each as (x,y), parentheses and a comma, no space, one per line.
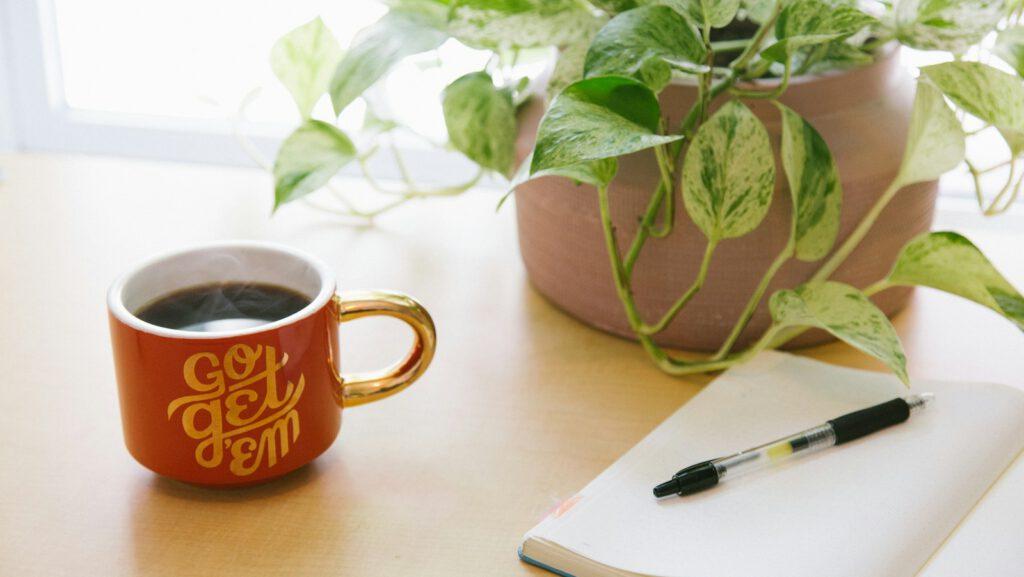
(622,269)
(350,206)
(978,131)
(346,213)
(997,166)
(351,211)
(678,368)
(621,278)
(758,71)
(692,120)
(773,93)
(876,287)
(412,192)
(691,292)
(992,208)
(623,288)
(741,62)
(997,210)
(858,234)
(400,164)
(645,228)
(687,128)
(664,362)
(979,194)
(667,183)
(816,54)
(839,256)
(755,300)
(730,45)
(704,95)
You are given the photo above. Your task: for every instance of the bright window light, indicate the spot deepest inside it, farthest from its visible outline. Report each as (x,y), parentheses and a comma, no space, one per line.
(187,58)
(196,59)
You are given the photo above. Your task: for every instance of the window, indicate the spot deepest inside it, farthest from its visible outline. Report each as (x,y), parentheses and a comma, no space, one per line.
(167,80)
(186,59)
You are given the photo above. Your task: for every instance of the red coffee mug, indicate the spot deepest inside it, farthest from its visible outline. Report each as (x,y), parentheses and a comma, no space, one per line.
(240,407)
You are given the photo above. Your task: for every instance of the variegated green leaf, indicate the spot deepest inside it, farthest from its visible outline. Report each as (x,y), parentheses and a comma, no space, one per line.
(729,173)
(308,159)
(303,60)
(847,314)
(990,94)
(717,13)
(1010,47)
(813,185)
(935,143)
(638,42)
(481,121)
(520,23)
(713,13)
(376,49)
(811,17)
(804,23)
(952,25)
(758,10)
(614,6)
(596,173)
(840,55)
(595,118)
(949,262)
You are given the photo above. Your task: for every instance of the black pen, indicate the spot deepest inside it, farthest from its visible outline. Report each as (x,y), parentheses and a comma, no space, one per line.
(855,425)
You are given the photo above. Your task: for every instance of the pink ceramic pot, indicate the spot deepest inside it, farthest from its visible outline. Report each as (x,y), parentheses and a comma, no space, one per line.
(863,114)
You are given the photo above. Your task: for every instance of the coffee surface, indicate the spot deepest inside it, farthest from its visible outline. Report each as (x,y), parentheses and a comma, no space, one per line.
(223,307)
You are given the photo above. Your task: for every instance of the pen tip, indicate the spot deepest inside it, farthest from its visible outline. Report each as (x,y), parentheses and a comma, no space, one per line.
(919,401)
(670,487)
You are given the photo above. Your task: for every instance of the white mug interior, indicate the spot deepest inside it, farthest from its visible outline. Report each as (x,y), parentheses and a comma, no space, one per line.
(225,262)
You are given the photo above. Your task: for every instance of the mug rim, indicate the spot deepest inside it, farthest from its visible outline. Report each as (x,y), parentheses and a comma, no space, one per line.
(115,295)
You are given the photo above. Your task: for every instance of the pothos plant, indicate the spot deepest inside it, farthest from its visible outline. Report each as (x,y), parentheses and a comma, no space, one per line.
(613,59)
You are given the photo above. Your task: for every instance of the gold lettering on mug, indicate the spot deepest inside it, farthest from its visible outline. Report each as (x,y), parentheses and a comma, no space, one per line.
(227,413)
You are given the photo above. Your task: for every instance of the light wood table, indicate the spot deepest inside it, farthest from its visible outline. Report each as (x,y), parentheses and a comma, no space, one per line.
(522,406)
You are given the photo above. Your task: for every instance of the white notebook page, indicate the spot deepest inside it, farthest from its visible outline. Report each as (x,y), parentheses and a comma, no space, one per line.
(990,541)
(878,506)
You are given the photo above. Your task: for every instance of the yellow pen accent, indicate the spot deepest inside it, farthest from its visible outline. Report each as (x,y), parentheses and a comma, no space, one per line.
(779,451)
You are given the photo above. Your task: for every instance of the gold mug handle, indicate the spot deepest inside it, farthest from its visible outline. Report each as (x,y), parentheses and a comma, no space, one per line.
(360,388)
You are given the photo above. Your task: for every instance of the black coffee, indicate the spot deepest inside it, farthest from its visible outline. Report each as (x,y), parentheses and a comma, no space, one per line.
(223,307)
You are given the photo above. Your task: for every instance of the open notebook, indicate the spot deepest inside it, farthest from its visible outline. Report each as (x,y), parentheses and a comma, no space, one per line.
(937,496)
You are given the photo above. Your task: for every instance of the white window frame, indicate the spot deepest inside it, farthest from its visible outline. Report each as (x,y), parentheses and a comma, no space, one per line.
(31,84)
(44,121)
(8,136)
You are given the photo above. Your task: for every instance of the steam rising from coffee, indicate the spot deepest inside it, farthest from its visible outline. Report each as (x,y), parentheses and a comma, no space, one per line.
(223,307)
(216,307)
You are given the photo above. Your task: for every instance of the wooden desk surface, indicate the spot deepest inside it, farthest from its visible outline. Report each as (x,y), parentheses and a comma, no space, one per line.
(522,406)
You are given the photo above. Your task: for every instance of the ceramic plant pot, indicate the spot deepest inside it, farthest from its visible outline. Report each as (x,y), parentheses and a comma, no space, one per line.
(863,114)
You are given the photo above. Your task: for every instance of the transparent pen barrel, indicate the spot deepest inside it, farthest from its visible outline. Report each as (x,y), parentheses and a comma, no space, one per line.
(802,443)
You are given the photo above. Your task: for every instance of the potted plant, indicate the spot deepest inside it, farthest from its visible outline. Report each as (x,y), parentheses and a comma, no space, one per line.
(713,174)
